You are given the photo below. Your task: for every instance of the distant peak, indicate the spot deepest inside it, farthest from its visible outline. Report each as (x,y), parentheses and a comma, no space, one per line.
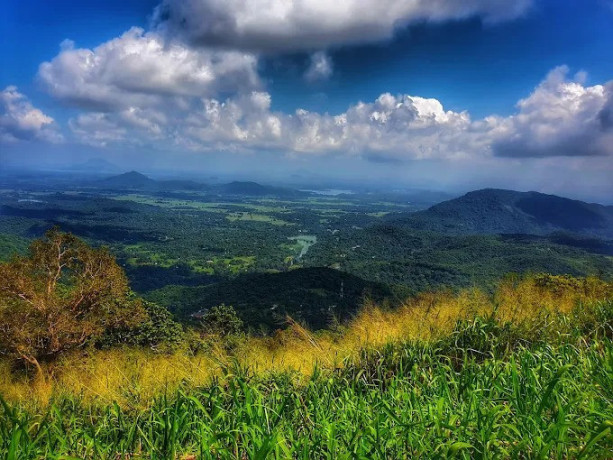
(129,178)
(134,173)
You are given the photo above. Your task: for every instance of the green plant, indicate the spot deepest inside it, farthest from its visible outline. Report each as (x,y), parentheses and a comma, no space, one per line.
(158,331)
(393,402)
(221,320)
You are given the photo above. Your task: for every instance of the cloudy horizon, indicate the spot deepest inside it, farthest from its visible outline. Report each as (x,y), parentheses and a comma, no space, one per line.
(441,95)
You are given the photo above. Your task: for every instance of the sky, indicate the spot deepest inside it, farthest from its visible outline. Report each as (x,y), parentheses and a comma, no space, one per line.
(436,94)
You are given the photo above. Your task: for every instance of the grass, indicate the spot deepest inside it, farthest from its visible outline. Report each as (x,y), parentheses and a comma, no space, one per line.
(254,217)
(142,255)
(524,373)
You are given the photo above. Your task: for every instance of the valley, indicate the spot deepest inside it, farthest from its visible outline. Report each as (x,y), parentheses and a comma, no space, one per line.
(190,246)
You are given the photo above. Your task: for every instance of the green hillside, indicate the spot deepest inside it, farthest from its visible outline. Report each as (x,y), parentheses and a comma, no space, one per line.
(492,211)
(315,296)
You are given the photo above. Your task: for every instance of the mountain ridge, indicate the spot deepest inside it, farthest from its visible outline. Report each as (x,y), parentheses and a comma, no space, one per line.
(500,211)
(133,180)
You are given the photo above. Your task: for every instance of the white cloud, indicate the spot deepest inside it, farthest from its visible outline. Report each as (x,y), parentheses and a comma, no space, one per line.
(99,129)
(147,86)
(282,25)
(20,120)
(404,127)
(141,69)
(320,67)
(245,122)
(393,126)
(560,118)
(129,126)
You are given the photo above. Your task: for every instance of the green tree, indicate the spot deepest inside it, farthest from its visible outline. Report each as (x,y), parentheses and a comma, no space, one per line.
(222,320)
(159,329)
(59,297)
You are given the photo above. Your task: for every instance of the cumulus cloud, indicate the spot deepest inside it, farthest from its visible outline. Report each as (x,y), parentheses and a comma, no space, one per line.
(281,25)
(20,120)
(391,126)
(320,67)
(388,129)
(140,69)
(246,120)
(129,126)
(561,117)
(153,86)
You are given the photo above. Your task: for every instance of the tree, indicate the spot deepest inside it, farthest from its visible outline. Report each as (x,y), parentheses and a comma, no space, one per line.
(59,297)
(222,320)
(158,331)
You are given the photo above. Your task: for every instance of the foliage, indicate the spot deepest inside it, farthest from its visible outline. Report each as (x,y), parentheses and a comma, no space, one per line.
(423,260)
(10,245)
(221,320)
(158,330)
(519,313)
(505,211)
(515,369)
(63,294)
(189,238)
(316,296)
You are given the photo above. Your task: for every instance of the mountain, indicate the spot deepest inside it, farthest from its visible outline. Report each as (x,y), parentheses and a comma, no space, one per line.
(313,295)
(129,180)
(493,211)
(136,181)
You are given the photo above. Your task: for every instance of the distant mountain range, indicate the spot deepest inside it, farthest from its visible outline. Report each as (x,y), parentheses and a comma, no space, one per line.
(134,180)
(493,211)
(487,211)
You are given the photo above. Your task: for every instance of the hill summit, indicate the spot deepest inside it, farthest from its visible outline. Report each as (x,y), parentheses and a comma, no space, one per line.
(493,211)
(132,180)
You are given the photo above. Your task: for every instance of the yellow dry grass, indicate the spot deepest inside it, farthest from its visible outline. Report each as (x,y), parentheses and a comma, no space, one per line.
(133,377)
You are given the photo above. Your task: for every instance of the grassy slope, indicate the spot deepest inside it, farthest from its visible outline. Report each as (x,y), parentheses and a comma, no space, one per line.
(530,377)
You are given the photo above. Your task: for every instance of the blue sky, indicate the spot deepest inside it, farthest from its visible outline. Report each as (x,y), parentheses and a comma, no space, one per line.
(376,88)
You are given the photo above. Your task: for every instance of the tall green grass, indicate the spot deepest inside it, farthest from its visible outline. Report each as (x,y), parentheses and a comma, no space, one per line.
(490,389)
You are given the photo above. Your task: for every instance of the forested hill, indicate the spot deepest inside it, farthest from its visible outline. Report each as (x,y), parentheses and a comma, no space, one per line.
(316,296)
(492,211)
